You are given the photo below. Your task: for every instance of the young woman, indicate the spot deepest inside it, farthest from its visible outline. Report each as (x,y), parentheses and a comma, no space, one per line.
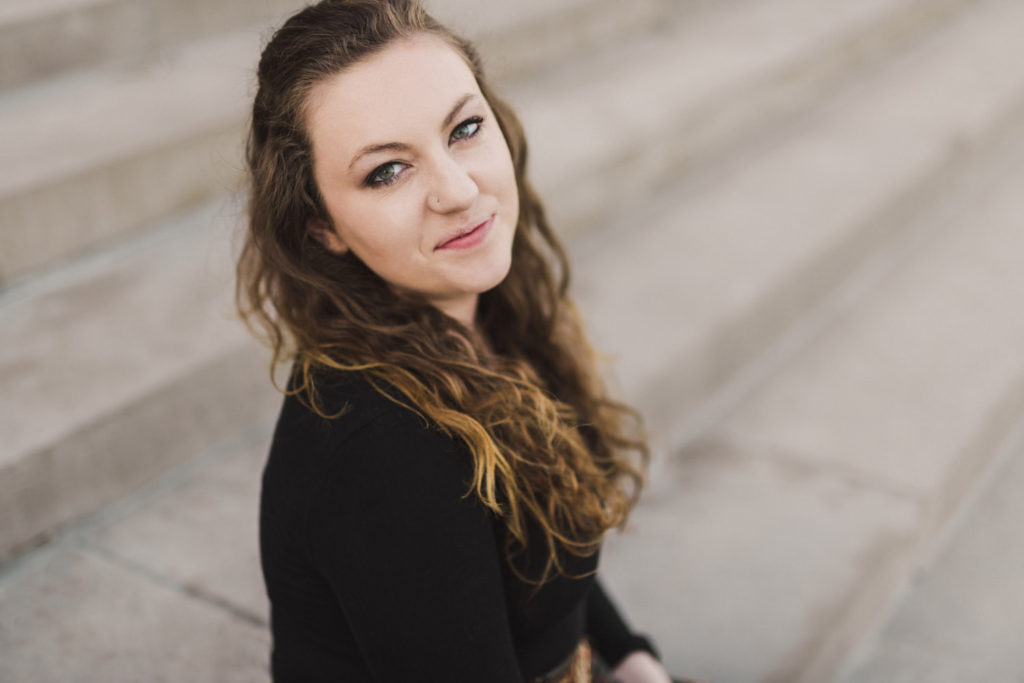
(446,462)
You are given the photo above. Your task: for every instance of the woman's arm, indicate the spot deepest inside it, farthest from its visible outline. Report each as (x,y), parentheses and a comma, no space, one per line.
(641,667)
(413,565)
(608,631)
(631,656)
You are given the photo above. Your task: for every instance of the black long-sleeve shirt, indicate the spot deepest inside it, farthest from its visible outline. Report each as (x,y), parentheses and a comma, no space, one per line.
(380,568)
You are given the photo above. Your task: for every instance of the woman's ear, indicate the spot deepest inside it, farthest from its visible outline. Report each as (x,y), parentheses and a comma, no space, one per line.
(327,236)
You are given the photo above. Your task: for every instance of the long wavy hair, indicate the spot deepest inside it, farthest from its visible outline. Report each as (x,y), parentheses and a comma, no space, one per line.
(551,451)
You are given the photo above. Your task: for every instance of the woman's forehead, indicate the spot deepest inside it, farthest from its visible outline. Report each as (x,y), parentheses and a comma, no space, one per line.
(411,83)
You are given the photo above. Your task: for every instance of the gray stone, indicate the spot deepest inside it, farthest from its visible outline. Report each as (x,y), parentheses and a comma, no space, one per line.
(737,561)
(178,21)
(74,615)
(609,129)
(962,619)
(763,552)
(203,533)
(526,36)
(706,281)
(114,373)
(904,401)
(42,39)
(910,382)
(104,156)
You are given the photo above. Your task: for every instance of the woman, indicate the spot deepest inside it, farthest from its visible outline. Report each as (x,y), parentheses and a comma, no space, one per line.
(445,463)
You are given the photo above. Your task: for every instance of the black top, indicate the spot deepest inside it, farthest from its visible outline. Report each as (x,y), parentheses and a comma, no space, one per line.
(379,569)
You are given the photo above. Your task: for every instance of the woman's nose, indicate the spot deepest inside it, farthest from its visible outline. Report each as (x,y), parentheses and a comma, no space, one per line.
(453,189)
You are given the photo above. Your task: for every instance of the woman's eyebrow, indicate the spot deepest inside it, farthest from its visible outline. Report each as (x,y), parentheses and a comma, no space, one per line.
(402,147)
(385,147)
(456,109)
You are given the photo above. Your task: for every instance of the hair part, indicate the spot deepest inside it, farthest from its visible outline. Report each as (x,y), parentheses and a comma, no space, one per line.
(549,447)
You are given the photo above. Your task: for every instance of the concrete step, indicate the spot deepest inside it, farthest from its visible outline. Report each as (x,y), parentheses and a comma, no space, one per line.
(962,618)
(519,38)
(44,39)
(108,154)
(75,423)
(40,504)
(744,545)
(164,585)
(774,539)
(118,369)
(61,434)
(39,39)
(741,556)
(734,257)
(110,151)
(611,130)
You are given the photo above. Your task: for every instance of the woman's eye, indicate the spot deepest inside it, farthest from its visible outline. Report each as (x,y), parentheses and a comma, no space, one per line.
(385,174)
(466,129)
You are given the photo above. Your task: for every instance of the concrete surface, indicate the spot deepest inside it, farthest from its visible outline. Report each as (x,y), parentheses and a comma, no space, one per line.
(962,618)
(114,626)
(753,539)
(887,418)
(122,608)
(41,39)
(52,39)
(212,510)
(552,32)
(809,285)
(118,370)
(59,401)
(737,564)
(105,153)
(119,149)
(97,166)
(734,258)
(640,112)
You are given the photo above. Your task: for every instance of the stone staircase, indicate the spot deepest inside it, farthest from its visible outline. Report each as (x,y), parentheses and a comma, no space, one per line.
(795,230)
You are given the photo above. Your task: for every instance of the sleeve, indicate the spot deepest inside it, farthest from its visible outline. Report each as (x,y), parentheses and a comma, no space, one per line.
(415,567)
(608,631)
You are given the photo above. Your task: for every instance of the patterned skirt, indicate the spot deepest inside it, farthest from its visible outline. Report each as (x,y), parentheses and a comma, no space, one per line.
(583,666)
(586,666)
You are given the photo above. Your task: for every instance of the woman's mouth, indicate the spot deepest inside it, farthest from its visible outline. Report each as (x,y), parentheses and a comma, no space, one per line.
(466,239)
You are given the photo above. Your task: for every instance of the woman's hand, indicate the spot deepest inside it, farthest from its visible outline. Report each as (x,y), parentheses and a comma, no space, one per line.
(641,667)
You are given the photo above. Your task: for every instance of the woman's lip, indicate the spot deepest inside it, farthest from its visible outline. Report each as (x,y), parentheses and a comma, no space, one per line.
(465,240)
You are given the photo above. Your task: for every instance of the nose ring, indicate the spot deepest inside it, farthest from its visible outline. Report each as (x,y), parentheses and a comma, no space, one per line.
(435,199)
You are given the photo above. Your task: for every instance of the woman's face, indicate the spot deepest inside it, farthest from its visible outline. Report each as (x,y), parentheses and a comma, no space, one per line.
(415,173)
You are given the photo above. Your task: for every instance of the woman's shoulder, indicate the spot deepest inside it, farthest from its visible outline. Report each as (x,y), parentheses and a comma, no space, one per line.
(361,431)
(339,405)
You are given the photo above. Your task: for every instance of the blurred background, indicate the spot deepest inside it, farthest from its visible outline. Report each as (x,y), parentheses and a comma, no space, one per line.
(797,229)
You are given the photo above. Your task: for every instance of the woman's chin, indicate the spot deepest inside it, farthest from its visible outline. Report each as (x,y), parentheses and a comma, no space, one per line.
(488,275)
